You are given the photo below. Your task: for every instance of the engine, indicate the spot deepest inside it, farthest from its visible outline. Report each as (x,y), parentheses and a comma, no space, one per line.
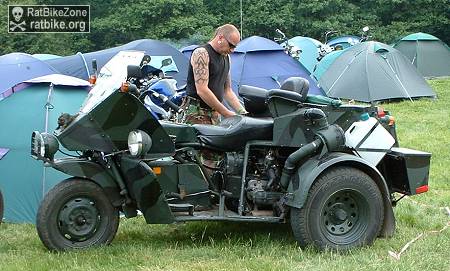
(262,188)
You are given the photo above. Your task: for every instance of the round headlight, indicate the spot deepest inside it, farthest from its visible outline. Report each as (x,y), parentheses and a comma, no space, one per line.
(39,145)
(51,145)
(139,142)
(43,145)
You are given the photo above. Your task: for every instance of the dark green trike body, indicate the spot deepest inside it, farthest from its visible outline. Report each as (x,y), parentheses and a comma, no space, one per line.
(290,165)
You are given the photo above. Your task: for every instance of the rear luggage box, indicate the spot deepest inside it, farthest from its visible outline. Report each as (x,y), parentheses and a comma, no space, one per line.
(407,170)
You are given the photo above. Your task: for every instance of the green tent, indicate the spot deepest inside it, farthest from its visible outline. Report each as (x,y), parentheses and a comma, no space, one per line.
(430,55)
(325,63)
(373,71)
(23,180)
(309,50)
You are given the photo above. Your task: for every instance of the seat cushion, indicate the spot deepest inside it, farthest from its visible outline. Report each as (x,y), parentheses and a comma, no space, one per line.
(285,95)
(233,133)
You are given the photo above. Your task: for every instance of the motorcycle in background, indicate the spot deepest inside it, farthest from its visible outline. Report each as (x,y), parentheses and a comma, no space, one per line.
(365,34)
(289,48)
(159,92)
(324,48)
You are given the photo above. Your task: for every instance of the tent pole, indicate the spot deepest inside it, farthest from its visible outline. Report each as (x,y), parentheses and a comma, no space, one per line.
(48,106)
(241,19)
(416,55)
(85,64)
(398,79)
(367,74)
(342,73)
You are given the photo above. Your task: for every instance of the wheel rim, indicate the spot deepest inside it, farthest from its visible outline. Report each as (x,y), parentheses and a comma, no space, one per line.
(79,219)
(344,217)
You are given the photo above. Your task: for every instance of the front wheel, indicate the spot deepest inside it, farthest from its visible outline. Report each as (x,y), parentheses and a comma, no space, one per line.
(76,214)
(344,209)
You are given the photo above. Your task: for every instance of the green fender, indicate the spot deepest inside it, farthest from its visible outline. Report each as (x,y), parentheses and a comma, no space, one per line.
(86,169)
(144,187)
(308,172)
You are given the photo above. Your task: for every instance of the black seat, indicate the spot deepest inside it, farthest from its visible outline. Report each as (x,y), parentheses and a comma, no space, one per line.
(292,94)
(234,132)
(296,84)
(294,89)
(285,94)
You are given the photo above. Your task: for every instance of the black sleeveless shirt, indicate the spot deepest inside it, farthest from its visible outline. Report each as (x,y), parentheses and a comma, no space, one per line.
(219,67)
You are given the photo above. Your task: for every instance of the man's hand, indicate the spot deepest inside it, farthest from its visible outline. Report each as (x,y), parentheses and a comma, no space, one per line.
(242,111)
(229,113)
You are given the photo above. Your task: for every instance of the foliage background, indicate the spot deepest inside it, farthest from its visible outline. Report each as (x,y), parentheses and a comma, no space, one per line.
(185,22)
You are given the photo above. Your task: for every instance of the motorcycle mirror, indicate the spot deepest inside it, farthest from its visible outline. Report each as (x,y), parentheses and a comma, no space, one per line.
(280,32)
(145,60)
(329,33)
(94,65)
(134,71)
(166,62)
(365,29)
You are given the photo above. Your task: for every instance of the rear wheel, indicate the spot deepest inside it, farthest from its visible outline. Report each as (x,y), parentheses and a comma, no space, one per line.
(344,209)
(76,214)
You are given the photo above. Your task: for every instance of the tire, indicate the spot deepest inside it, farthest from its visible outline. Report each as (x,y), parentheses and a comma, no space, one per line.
(1,207)
(344,210)
(76,214)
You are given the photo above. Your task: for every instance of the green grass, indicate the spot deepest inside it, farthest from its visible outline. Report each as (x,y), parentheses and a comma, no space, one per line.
(422,125)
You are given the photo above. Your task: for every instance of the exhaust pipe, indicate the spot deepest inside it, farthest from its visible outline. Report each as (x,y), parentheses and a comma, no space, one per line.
(332,137)
(293,159)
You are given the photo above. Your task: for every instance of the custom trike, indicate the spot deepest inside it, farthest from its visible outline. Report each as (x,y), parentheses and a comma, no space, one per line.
(330,171)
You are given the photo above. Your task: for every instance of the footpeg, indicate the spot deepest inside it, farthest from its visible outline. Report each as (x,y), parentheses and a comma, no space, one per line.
(182,207)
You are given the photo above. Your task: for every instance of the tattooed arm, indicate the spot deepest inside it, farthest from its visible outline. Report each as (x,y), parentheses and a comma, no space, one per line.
(199,62)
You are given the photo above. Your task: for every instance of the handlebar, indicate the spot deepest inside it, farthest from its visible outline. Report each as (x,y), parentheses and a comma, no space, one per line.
(280,33)
(174,107)
(162,98)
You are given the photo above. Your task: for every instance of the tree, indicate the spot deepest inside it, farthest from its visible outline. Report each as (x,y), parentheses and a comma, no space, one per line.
(184,22)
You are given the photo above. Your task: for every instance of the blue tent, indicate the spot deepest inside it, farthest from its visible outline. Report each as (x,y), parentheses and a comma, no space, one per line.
(23,180)
(260,62)
(18,67)
(45,56)
(79,65)
(187,51)
(344,41)
(310,51)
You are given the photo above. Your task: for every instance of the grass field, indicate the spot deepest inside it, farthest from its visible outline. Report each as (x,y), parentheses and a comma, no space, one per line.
(423,125)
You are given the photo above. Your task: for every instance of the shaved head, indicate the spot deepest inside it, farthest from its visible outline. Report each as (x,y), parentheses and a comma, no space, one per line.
(227,30)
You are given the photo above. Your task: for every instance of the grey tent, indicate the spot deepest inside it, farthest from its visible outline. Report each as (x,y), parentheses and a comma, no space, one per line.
(373,71)
(429,54)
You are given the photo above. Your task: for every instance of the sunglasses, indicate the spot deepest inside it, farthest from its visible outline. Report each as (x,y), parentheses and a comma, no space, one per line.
(232,46)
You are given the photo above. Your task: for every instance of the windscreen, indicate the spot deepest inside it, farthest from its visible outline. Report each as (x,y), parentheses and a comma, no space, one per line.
(110,78)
